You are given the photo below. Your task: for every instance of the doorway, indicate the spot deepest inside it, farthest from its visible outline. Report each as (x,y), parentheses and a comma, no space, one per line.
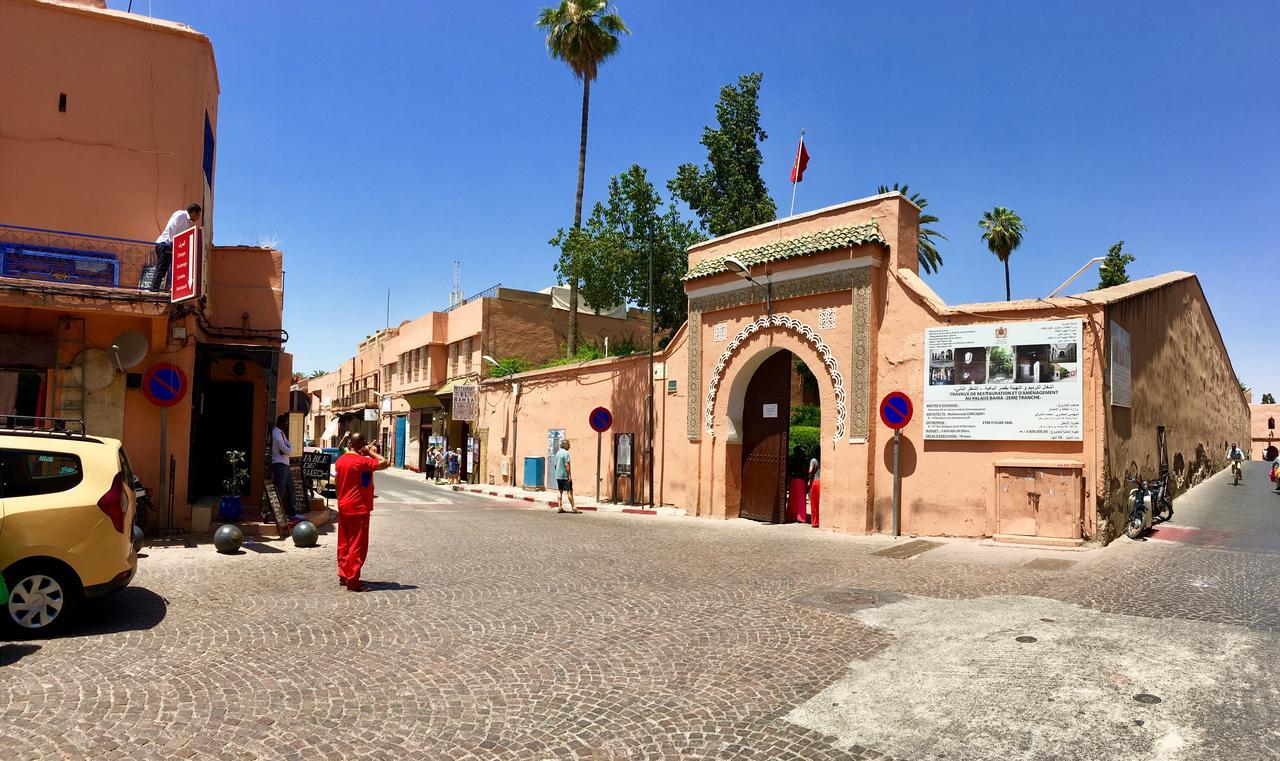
(225,422)
(766,416)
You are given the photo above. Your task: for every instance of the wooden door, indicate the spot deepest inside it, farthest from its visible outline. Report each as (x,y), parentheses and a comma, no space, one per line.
(1059,504)
(766,418)
(1016,504)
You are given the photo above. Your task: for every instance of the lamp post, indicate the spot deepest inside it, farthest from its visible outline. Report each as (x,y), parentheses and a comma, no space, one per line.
(737,267)
(1080,271)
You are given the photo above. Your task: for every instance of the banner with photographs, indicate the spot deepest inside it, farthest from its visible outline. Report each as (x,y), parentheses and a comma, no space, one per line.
(1017,381)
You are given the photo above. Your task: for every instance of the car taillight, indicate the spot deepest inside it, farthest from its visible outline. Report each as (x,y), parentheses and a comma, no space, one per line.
(112,503)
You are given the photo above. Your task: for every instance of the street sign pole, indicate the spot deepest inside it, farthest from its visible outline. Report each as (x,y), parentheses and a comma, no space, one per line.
(599,447)
(897,482)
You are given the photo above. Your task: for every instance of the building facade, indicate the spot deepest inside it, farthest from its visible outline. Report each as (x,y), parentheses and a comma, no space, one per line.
(398,389)
(109,126)
(1028,415)
(1264,436)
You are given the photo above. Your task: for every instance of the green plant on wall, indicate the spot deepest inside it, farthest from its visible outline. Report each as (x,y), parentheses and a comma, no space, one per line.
(237,479)
(508,366)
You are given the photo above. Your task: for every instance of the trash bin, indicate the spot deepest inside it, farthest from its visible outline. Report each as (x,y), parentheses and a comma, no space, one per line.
(535,473)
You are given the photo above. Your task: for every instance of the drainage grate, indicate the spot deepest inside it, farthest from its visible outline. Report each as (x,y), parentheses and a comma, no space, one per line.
(908,550)
(1143,697)
(1049,564)
(1025,638)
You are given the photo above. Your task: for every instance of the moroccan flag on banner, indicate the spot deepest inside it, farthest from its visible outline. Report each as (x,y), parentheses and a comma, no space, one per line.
(802,161)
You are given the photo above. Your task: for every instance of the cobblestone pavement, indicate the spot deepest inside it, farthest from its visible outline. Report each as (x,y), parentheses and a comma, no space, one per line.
(505,632)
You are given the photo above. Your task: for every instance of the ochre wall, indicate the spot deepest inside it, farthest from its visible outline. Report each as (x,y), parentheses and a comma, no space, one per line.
(137,94)
(1182,380)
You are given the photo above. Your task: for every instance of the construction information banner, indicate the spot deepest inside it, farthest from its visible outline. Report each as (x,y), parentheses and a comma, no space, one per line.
(1017,381)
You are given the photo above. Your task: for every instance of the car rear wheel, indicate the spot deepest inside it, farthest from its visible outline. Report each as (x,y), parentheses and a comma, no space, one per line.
(41,599)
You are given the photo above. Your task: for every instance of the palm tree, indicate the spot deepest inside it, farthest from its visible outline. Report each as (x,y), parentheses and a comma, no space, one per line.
(582,33)
(317,373)
(1002,230)
(927,253)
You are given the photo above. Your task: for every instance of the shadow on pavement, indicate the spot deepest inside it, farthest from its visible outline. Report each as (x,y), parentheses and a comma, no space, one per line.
(387,586)
(11,654)
(130,609)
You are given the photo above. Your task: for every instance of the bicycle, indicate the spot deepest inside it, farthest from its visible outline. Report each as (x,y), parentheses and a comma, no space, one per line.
(1235,472)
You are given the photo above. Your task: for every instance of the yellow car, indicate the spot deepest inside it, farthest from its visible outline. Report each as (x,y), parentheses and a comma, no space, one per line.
(66,524)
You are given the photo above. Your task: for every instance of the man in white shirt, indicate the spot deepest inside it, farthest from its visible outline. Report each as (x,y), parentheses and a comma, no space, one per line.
(180,221)
(280,473)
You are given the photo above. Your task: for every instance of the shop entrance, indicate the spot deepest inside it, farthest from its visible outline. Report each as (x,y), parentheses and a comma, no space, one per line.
(225,422)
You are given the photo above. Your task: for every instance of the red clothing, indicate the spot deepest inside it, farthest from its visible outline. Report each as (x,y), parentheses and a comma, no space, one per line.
(353,546)
(354,483)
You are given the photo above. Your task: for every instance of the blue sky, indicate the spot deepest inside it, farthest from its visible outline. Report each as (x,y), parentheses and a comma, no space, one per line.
(378,141)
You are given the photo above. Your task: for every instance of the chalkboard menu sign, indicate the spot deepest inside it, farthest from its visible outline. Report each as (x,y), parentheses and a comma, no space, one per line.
(300,506)
(316,465)
(273,502)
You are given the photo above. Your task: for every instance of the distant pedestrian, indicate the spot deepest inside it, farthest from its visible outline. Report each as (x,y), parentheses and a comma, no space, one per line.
(453,463)
(179,222)
(814,490)
(281,474)
(429,463)
(441,465)
(354,478)
(564,477)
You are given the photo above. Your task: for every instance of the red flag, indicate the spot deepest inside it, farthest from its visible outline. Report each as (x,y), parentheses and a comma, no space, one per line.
(802,161)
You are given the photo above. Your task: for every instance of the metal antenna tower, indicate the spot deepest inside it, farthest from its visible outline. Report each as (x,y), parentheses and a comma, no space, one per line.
(455,296)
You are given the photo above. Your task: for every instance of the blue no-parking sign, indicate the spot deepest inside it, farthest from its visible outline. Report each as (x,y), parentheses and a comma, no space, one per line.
(164,384)
(895,410)
(601,419)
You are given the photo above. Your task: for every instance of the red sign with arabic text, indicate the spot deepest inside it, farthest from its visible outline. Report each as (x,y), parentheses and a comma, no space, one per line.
(188,256)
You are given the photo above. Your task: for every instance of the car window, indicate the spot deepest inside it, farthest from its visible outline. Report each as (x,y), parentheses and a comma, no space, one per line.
(26,473)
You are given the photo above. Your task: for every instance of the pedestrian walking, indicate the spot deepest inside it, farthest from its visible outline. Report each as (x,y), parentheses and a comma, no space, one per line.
(564,477)
(354,477)
(814,489)
(429,463)
(455,466)
(441,466)
(179,222)
(281,475)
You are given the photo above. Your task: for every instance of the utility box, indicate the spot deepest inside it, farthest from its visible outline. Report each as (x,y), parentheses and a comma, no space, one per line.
(535,473)
(1040,500)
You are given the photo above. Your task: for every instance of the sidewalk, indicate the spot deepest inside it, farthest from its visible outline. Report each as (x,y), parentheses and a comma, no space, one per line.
(544,498)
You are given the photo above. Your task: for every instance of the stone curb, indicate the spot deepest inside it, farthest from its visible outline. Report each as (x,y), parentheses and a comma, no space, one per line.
(664,510)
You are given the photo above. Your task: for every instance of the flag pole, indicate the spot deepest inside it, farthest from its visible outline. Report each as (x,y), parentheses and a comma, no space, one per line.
(795,165)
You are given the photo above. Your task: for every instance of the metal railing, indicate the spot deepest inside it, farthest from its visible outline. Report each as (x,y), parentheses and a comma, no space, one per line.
(365,397)
(489,292)
(68,258)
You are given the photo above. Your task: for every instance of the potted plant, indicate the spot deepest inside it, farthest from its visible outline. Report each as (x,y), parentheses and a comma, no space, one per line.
(230,508)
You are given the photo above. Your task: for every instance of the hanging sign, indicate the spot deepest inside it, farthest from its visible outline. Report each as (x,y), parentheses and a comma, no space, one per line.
(1016,381)
(187,275)
(465,405)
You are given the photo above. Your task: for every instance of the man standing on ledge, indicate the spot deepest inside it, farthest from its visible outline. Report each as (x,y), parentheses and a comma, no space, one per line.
(354,486)
(564,477)
(181,221)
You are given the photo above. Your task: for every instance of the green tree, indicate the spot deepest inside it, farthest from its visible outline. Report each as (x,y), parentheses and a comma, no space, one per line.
(1112,270)
(926,252)
(583,34)
(728,193)
(1002,231)
(1268,399)
(317,373)
(614,248)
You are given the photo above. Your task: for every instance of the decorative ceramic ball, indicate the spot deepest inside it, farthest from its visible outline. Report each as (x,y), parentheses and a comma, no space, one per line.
(228,538)
(138,536)
(305,534)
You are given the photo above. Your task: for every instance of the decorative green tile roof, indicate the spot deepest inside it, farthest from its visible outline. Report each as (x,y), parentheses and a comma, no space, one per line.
(801,245)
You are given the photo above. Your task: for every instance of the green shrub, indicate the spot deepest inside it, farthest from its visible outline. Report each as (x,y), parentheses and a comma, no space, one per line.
(508,366)
(809,415)
(805,443)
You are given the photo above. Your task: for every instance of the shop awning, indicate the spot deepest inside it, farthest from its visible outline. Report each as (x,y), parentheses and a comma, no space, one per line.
(423,400)
(447,389)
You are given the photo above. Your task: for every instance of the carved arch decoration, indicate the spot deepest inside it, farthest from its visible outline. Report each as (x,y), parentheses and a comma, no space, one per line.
(806,333)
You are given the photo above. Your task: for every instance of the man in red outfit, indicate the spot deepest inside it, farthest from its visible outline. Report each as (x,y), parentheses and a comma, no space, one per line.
(354,485)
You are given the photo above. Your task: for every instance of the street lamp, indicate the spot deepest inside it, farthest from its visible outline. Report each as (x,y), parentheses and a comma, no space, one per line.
(490,360)
(1086,266)
(737,267)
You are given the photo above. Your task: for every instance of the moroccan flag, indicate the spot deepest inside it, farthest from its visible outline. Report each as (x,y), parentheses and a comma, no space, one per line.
(802,161)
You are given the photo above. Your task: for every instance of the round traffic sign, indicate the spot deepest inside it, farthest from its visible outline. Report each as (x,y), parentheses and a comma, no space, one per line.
(895,410)
(164,384)
(601,419)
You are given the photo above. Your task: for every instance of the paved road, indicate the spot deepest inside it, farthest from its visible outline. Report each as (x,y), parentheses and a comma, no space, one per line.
(1222,514)
(516,633)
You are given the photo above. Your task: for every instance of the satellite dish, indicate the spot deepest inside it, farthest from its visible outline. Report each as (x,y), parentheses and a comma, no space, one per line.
(128,349)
